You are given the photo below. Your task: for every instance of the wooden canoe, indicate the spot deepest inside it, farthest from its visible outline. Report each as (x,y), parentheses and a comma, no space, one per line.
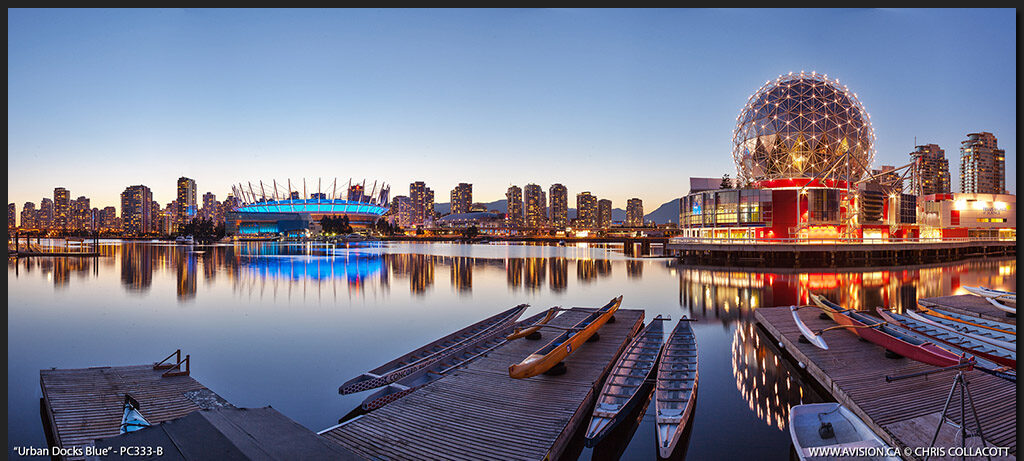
(952,340)
(1004,340)
(881,334)
(564,344)
(430,353)
(621,390)
(847,430)
(439,369)
(970,319)
(522,332)
(675,391)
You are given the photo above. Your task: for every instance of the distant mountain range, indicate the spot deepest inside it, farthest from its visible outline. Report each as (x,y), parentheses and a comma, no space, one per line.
(668,212)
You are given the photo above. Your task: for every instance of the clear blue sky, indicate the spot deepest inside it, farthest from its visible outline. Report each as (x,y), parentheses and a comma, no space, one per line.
(623,103)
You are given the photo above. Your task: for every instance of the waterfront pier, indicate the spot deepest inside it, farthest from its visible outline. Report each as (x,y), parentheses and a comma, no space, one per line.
(832,253)
(84,404)
(906,412)
(479,412)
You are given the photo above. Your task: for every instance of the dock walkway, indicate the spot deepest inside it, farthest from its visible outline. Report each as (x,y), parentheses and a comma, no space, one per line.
(478,412)
(904,412)
(85,404)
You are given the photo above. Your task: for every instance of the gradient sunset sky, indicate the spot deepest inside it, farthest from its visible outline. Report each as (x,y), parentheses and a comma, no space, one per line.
(622,103)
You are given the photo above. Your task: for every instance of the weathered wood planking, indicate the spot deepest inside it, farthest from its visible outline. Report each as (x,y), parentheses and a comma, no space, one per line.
(854,372)
(85,404)
(478,412)
(968,305)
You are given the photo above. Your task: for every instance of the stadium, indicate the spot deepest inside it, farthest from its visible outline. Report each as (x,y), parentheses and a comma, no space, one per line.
(803,147)
(283,209)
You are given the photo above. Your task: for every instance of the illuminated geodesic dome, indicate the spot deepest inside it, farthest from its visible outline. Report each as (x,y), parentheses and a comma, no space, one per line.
(800,126)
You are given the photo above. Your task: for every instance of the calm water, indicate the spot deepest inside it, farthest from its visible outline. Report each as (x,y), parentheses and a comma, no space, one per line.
(284,325)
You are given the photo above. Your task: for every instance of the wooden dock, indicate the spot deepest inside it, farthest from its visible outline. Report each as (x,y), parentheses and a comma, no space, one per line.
(478,412)
(84,404)
(968,305)
(904,413)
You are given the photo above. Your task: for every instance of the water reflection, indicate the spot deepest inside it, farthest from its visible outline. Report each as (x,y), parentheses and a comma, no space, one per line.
(728,295)
(732,295)
(767,382)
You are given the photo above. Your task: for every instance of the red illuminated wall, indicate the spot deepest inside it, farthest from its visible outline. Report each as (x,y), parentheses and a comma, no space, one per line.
(784,211)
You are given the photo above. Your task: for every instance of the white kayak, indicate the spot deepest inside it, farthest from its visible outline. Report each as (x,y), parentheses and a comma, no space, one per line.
(132,420)
(817,340)
(821,426)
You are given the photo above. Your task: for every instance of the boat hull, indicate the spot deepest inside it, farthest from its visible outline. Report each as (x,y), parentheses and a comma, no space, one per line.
(425,356)
(563,345)
(925,353)
(848,429)
(608,413)
(679,360)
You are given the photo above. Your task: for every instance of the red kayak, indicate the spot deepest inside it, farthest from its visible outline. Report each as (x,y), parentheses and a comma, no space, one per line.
(880,333)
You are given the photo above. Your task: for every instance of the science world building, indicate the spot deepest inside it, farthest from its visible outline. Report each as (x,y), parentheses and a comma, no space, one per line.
(285,209)
(803,147)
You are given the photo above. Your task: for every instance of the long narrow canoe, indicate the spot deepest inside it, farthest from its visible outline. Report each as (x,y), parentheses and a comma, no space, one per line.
(953,341)
(132,420)
(430,353)
(970,319)
(457,359)
(621,390)
(1001,306)
(814,338)
(881,334)
(847,431)
(675,393)
(522,332)
(1004,340)
(564,344)
(986,292)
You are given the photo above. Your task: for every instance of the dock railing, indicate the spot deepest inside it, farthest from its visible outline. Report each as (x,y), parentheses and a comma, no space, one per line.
(164,365)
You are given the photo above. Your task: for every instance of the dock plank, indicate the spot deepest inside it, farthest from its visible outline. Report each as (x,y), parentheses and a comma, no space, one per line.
(86,404)
(479,412)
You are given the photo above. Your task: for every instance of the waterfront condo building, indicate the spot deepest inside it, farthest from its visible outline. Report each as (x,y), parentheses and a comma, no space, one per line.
(586,210)
(535,203)
(107,218)
(403,211)
(11,214)
(559,205)
(81,215)
(461,198)
(982,165)
(211,208)
(45,216)
(28,216)
(186,203)
(604,213)
(634,212)
(930,173)
(422,202)
(514,212)
(61,208)
(137,210)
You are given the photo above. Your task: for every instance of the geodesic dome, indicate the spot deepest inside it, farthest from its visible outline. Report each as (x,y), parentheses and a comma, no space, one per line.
(800,126)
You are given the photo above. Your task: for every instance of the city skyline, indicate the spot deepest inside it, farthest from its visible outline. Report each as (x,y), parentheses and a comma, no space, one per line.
(622,103)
